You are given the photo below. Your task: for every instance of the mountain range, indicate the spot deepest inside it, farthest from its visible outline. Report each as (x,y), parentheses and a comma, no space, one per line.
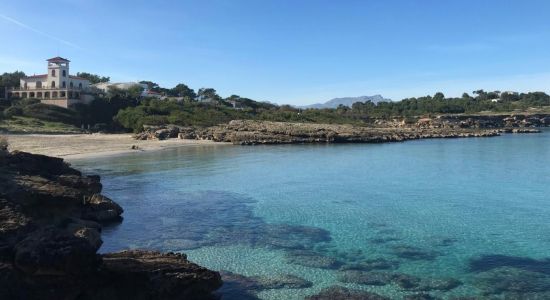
(347,101)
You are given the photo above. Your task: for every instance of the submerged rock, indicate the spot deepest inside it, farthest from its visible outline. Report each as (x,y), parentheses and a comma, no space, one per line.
(421,296)
(504,280)
(366,278)
(286,281)
(236,286)
(489,262)
(414,253)
(312,259)
(406,281)
(371,264)
(445,284)
(341,293)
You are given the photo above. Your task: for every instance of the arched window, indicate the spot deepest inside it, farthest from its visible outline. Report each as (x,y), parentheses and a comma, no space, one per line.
(64,73)
(53,73)
(64,84)
(53,84)
(39,84)
(80,85)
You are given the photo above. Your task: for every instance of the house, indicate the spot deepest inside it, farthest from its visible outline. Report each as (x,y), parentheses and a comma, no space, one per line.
(104,87)
(56,87)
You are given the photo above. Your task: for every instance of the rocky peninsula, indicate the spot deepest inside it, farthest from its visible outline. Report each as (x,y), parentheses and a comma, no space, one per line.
(251,132)
(51,217)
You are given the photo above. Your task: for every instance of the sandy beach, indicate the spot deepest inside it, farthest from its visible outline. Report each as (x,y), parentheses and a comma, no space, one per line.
(75,146)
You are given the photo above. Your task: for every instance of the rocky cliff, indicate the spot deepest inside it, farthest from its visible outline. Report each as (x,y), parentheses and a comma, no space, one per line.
(50,222)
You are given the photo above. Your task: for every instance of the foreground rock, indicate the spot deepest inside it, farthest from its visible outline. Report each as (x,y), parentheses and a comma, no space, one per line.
(50,223)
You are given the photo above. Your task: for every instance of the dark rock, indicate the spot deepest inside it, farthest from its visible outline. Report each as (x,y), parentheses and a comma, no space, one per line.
(342,293)
(366,278)
(282,282)
(512,280)
(489,262)
(53,252)
(91,235)
(47,251)
(152,275)
(439,284)
(256,283)
(312,259)
(421,296)
(90,184)
(35,164)
(101,209)
(405,281)
(414,253)
(371,264)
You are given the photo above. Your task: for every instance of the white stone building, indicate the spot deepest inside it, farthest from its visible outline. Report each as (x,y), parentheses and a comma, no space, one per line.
(57,87)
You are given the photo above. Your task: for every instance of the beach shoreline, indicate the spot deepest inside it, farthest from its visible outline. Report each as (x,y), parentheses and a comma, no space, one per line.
(82,146)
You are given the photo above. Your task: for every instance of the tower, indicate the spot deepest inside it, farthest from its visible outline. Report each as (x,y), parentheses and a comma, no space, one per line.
(58,72)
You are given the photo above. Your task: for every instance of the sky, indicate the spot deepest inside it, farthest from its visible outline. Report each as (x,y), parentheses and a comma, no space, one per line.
(289,51)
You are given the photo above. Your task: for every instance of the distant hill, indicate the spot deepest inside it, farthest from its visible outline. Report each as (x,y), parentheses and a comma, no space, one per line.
(347,101)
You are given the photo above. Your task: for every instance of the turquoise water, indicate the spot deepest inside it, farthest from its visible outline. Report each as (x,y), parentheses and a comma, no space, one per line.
(476,210)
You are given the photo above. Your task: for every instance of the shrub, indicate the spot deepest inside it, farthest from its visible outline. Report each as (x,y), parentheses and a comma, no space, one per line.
(52,113)
(3,144)
(13,111)
(25,102)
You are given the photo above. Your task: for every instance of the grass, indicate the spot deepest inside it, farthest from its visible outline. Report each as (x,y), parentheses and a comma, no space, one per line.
(18,125)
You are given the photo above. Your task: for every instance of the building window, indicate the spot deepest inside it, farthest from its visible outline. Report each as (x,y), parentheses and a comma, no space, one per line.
(53,84)
(64,84)
(53,73)
(64,73)
(80,85)
(25,85)
(39,84)
(71,84)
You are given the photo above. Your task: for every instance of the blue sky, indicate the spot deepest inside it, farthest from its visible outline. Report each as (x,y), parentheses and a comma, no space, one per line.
(289,51)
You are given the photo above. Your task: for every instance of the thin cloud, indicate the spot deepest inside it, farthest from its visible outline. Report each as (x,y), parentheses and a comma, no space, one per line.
(25,26)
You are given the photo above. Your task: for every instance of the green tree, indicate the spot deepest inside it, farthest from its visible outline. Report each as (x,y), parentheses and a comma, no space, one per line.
(134,91)
(439,96)
(93,78)
(208,94)
(182,90)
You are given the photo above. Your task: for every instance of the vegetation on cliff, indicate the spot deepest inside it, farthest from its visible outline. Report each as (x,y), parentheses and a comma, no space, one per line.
(117,110)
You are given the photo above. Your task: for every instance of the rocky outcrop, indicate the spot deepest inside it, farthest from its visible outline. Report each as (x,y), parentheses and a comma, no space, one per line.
(248,132)
(50,222)
(165,132)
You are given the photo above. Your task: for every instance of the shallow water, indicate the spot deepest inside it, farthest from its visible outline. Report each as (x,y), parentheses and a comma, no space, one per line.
(474,209)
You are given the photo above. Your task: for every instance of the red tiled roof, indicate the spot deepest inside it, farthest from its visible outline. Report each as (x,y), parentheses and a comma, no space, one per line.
(58,59)
(37,76)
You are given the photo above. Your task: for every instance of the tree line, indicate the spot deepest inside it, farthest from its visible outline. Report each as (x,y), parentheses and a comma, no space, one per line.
(120,109)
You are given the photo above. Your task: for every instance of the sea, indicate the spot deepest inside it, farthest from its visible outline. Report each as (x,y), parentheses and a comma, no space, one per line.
(445,218)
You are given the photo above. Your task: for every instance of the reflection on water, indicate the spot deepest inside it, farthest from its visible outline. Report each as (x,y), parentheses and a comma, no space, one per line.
(439,218)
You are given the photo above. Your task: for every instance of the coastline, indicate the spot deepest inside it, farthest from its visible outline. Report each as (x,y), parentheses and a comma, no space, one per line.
(79,146)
